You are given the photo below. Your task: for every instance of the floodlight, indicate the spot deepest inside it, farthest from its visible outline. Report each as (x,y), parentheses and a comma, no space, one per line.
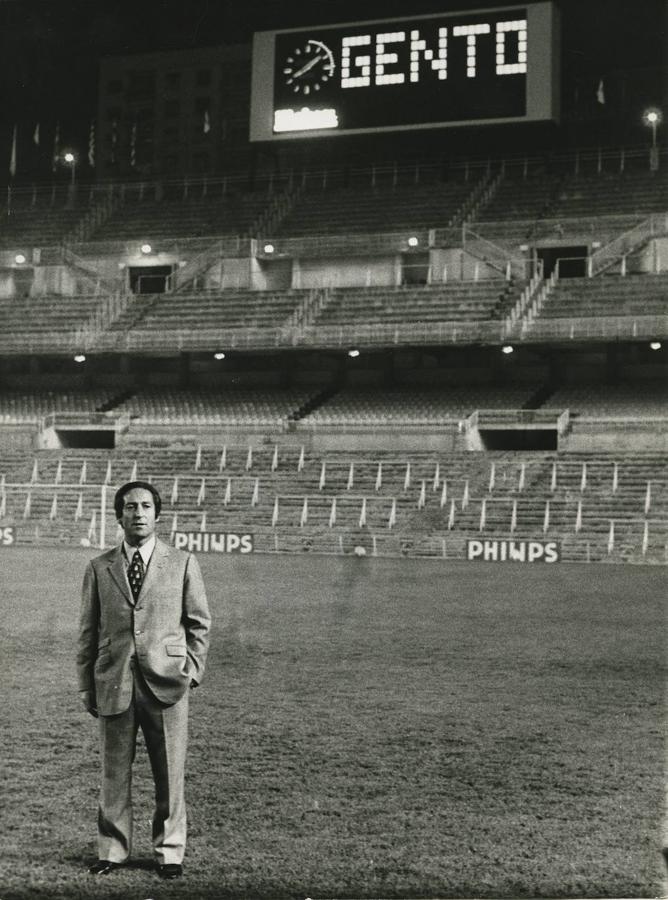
(507,348)
(69,158)
(19,259)
(219,355)
(655,345)
(146,249)
(268,248)
(652,117)
(413,241)
(80,358)
(353,353)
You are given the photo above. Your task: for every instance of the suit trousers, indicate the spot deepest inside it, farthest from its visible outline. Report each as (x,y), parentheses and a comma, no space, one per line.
(165,730)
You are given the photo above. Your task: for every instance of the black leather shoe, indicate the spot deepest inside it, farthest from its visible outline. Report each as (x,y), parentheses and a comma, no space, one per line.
(170,870)
(103,867)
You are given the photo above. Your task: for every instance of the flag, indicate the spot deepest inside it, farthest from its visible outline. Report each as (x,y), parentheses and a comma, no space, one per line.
(35,135)
(12,158)
(91,145)
(133,145)
(206,125)
(600,92)
(56,147)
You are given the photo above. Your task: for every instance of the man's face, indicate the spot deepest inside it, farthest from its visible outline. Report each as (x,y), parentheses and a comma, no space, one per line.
(138,517)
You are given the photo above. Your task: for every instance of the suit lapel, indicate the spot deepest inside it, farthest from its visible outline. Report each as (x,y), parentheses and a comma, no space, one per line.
(152,576)
(119,574)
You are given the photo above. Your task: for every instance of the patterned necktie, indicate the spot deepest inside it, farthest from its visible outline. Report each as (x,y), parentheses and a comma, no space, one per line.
(136,574)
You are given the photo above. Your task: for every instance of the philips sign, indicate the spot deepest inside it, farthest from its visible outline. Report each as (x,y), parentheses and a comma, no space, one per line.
(213,542)
(513,551)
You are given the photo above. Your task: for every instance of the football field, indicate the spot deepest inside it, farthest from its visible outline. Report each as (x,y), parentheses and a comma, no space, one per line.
(366,728)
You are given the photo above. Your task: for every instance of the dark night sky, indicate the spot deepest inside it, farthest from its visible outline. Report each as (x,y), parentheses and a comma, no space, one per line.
(49,49)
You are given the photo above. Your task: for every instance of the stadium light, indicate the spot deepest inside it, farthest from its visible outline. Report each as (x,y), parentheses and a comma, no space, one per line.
(652,118)
(507,349)
(353,353)
(80,358)
(413,241)
(71,160)
(146,249)
(268,248)
(655,345)
(219,355)
(19,259)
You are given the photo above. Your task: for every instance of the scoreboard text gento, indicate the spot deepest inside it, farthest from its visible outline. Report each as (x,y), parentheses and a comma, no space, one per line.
(473,67)
(420,53)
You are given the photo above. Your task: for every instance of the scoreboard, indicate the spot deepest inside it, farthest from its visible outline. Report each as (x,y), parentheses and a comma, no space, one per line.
(459,68)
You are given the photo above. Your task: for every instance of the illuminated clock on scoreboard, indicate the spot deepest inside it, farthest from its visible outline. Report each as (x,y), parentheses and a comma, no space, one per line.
(476,67)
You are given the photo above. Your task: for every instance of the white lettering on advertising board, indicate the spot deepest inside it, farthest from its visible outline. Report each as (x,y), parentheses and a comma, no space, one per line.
(494,550)
(213,542)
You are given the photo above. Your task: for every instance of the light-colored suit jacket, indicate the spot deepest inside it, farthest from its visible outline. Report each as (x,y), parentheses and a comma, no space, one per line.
(166,629)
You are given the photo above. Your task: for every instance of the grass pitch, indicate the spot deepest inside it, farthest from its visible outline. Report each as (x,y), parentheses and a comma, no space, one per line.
(366,728)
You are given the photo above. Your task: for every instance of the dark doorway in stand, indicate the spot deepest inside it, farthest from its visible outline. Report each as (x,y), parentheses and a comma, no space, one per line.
(149,279)
(572,261)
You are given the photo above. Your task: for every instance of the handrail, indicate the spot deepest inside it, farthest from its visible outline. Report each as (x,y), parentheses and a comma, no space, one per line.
(493,254)
(571,158)
(626,243)
(363,334)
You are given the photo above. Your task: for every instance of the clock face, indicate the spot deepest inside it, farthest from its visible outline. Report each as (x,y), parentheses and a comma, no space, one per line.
(308,67)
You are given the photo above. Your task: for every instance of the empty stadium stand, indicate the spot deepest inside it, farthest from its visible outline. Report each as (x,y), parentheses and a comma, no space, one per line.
(229,407)
(642,400)
(217,213)
(336,210)
(30,406)
(413,407)
(605,507)
(608,295)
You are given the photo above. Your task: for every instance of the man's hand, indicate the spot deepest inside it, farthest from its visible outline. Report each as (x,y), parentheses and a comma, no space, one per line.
(88,700)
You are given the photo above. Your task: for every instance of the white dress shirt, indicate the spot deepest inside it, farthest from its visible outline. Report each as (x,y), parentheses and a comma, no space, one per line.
(145,551)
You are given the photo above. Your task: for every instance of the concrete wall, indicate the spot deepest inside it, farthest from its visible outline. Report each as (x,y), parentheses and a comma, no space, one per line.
(346,272)
(607,437)
(17,437)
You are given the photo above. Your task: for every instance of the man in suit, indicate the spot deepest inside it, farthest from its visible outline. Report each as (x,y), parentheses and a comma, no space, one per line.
(143,640)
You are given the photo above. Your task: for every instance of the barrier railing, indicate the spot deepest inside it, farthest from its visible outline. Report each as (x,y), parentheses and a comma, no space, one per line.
(626,243)
(352,335)
(84,419)
(496,256)
(597,327)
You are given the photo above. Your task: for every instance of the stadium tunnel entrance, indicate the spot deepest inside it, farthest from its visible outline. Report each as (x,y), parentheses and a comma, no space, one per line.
(81,439)
(519,439)
(572,260)
(149,279)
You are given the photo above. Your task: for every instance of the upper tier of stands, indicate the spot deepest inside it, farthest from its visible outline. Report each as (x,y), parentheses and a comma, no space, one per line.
(213,311)
(145,218)
(577,196)
(45,315)
(366,202)
(452,302)
(376,209)
(608,295)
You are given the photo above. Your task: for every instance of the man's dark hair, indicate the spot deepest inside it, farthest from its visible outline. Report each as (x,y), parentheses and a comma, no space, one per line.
(119,497)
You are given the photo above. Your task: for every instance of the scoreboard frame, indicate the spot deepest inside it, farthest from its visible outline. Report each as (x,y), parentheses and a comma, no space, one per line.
(429,71)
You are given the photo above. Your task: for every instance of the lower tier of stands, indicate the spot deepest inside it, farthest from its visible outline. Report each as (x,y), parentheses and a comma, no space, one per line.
(594,507)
